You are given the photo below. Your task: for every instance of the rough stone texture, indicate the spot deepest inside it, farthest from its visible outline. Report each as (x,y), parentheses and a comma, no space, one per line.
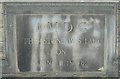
(59,0)
(0,46)
(1,29)
(1,32)
(0,15)
(119,39)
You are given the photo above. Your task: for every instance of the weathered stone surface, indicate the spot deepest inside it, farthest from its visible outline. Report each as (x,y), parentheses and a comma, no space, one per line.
(41,43)
(1,46)
(1,34)
(59,1)
(1,19)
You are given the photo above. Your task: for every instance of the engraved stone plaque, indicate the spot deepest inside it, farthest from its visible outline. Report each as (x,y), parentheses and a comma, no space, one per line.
(60,42)
(60,39)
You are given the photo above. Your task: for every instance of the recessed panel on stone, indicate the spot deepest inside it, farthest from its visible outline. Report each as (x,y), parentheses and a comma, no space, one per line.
(60,42)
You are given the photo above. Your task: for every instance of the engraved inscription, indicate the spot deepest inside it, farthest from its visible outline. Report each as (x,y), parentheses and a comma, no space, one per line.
(60,42)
